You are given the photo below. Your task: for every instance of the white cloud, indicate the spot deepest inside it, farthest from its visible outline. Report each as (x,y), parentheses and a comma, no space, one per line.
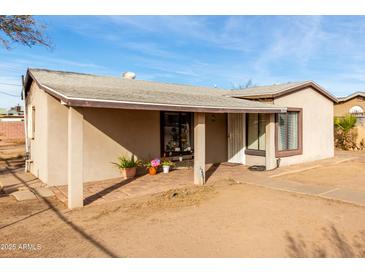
(296,40)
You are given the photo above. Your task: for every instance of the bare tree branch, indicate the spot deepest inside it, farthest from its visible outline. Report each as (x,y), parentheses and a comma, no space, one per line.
(22,29)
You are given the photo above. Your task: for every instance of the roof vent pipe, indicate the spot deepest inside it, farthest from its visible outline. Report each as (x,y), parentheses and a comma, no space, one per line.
(129,75)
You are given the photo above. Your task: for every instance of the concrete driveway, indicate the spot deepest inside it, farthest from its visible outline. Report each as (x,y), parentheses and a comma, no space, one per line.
(340,178)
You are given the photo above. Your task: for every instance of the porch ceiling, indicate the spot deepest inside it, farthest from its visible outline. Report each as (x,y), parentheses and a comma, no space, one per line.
(85,90)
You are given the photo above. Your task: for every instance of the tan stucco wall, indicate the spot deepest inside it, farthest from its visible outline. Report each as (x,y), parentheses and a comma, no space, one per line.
(39,164)
(341,109)
(57,141)
(253,160)
(109,133)
(49,147)
(360,125)
(318,140)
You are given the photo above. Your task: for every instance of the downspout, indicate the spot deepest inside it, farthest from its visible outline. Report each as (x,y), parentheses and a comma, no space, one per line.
(25,127)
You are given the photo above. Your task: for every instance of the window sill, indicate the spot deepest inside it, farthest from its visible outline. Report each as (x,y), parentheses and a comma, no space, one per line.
(255,152)
(288,153)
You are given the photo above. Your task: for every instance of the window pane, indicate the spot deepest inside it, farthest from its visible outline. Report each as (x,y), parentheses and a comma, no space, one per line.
(185,120)
(252,134)
(292,130)
(262,125)
(282,132)
(177,135)
(171,132)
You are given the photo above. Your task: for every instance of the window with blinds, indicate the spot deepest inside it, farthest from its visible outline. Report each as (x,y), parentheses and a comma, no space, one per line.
(288,131)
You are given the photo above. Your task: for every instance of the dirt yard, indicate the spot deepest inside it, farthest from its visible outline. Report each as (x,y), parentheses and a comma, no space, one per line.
(229,220)
(223,219)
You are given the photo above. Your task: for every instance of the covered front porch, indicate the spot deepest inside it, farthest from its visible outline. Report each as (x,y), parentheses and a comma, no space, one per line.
(79,193)
(100,192)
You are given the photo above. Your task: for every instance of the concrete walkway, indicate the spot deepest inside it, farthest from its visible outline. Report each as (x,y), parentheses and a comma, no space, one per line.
(340,192)
(22,186)
(331,193)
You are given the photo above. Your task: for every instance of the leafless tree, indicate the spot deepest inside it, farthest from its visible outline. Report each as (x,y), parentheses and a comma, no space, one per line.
(23,29)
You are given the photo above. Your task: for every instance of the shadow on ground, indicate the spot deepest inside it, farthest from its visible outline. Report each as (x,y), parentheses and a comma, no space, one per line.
(92,198)
(9,169)
(211,170)
(335,244)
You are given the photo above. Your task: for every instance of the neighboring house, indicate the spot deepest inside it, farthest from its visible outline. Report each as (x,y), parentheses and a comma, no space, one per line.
(12,124)
(79,123)
(16,111)
(353,104)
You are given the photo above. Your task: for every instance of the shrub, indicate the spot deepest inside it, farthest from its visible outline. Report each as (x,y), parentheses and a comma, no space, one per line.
(345,123)
(167,162)
(153,163)
(345,132)
(124,162)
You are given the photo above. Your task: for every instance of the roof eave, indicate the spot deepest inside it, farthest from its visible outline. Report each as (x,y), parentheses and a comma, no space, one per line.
(351,96)
(99,103)
(165,107)
(264,96)
(284,92)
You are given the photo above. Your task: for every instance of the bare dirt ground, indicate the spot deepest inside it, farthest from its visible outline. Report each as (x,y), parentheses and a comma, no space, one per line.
(229,220)
(11,150)
(224,219)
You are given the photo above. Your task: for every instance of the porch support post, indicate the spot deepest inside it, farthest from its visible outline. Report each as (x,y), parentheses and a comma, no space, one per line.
(75,159)
(199,148)
(270,160)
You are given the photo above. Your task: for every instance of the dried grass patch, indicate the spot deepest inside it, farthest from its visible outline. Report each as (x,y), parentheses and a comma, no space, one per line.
(174,198)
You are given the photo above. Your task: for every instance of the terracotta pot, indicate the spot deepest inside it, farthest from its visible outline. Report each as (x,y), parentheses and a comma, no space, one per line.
(128,172)
(152,170)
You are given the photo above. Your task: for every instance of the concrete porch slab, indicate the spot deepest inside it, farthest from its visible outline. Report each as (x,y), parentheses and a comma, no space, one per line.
(18,181)
(44,192)
(24,195)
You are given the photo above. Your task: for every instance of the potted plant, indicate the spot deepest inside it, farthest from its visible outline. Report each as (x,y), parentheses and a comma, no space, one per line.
(128,167)
(166,164)
(152,166)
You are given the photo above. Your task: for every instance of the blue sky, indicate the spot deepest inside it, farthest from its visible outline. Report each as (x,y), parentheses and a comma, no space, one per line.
(225,51)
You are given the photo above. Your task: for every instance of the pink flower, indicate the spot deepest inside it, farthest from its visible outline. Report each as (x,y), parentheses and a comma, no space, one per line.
(155,162)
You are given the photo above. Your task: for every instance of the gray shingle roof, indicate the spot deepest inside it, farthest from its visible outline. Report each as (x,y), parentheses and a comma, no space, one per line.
(273,91)
(352,95)
(76,87)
